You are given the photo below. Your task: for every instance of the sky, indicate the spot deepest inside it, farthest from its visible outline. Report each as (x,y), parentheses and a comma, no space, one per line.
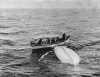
(49,3)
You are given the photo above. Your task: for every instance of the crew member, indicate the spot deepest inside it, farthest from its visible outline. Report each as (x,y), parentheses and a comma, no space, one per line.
(57,39)
(48,41)
(64,36)
(53,40)
(40,41)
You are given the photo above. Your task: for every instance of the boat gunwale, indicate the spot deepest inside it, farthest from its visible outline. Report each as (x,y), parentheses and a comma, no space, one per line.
(52,44)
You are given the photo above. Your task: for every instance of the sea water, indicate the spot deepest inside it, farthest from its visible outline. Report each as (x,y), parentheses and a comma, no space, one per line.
(20,26)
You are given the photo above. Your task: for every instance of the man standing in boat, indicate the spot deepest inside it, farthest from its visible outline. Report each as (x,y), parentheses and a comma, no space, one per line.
(48,41)
(40,41)
(64,36)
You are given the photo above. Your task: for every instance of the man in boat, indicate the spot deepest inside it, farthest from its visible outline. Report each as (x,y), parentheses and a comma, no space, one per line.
(48,41)
(63,36)
(32,43)
(52,40)
(39,42)
(57,39)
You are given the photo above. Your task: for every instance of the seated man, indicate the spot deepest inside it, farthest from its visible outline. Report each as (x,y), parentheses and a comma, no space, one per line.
(48,41)
(32,43)
(52,40)
(64,36)
(40,41)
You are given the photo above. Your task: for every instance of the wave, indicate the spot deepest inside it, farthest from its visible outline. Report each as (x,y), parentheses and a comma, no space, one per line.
(2,26)
(13,18)
(83,21)
(13,33)
(75,47)
(8,56)
(11,74)
(7,42)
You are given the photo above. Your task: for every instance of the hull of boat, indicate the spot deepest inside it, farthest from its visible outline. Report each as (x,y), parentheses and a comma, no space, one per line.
(49,46)
(43,49)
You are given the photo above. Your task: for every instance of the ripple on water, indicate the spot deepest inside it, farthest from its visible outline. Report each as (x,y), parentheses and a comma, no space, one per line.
(16,59)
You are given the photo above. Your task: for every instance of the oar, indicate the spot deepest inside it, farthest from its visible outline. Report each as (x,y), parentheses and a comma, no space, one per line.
(67,55)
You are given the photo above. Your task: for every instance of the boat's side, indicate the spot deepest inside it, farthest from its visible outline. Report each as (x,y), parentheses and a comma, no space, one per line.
(49,46)
(41,51)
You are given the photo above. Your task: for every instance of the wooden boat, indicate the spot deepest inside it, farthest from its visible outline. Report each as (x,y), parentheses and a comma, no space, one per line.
(48,46)
(45,47)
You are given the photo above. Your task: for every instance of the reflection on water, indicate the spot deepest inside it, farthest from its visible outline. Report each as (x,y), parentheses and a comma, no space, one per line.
(19,27)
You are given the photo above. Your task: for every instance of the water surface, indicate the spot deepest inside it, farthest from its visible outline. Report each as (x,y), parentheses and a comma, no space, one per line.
(19,27)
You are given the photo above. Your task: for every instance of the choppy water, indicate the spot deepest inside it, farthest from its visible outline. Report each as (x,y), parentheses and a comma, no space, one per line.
(19,27)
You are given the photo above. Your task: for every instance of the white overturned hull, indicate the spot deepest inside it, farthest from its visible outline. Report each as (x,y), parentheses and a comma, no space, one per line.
(67,55)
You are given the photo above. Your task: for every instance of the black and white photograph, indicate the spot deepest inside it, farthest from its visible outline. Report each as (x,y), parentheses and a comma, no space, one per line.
(49,38)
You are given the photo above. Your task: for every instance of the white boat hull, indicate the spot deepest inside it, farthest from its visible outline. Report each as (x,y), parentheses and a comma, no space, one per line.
(67,55)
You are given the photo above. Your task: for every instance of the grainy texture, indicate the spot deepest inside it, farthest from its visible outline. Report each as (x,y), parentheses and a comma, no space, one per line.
(20,26)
